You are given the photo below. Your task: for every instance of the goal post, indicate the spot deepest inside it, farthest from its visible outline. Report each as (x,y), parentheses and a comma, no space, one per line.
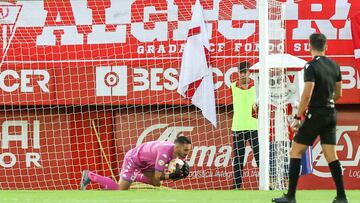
(264,118)
(276,94)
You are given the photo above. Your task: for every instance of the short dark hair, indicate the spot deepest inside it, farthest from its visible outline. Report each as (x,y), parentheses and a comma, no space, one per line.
(182,140)
(244,66)
(318,41)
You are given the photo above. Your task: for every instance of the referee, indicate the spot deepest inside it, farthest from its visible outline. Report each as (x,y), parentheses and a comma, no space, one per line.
(322,79)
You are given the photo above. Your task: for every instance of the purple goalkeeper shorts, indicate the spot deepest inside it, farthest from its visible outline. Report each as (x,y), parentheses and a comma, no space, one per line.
(130,169)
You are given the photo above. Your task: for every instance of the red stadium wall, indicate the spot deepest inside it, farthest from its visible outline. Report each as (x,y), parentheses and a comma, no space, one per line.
(68,145)
(348,150)
(53,150)
(216,167)
(211,155)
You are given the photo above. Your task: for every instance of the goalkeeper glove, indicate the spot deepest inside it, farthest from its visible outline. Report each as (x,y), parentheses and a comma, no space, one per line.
(176,175)
(185,169)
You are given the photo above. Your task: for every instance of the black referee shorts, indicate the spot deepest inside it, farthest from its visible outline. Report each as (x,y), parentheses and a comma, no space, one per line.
(318,121)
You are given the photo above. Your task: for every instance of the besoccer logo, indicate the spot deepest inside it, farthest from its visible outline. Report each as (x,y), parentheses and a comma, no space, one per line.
(111,81)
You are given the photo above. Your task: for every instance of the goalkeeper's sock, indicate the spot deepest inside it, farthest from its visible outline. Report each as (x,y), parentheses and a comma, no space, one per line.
(143,179)
(336,172)
(294,170)
(105,182)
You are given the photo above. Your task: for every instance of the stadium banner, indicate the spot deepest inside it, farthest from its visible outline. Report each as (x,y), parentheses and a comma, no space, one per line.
(211,157)
(51,155)
(348,151)
(107,58)
(37,154)
(34,157)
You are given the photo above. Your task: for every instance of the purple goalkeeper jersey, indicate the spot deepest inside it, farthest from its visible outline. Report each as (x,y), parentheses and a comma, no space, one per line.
(153,155)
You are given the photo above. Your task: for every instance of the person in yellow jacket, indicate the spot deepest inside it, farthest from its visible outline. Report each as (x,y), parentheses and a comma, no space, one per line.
(244,124)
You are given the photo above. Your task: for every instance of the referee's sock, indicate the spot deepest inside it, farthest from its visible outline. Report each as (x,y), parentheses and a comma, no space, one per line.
(336,172)
(294,171)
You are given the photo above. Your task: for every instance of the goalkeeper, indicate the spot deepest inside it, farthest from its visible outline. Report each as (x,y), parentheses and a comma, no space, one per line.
(145,163)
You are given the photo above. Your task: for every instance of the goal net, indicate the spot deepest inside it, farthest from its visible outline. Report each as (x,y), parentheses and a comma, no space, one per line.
(84,81)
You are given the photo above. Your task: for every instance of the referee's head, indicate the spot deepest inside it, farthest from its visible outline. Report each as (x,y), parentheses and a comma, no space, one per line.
(317,43)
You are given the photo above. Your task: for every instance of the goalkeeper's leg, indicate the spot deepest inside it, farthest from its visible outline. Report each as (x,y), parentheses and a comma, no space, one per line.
(108,184)
(105,182)
(124,184)
(128,174)
(145,177)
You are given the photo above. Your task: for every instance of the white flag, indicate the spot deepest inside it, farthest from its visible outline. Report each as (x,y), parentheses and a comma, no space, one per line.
(196,78)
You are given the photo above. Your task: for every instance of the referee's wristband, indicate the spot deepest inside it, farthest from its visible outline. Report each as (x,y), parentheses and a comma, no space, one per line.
(297,117)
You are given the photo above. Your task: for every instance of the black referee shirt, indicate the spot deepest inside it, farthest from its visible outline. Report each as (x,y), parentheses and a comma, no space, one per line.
(325,73)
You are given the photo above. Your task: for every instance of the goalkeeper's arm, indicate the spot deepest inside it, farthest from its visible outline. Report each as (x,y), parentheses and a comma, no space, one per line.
(178,174)
(162,175)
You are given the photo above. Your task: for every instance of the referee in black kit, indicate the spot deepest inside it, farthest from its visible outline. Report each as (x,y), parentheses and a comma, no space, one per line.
(322,88)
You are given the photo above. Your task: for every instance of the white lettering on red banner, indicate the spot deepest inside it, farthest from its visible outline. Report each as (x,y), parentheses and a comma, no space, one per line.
(8,159)
(23,79)
(148,39)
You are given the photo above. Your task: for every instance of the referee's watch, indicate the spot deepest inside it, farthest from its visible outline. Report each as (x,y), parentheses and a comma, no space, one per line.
(297,117)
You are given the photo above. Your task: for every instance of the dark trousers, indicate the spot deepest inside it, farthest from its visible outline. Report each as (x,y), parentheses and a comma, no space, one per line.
(240,138)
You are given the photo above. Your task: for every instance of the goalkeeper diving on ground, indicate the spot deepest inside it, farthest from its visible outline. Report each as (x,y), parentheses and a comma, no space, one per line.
(146,163)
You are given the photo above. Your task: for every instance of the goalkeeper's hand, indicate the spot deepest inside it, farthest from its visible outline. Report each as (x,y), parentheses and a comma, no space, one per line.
(180,173)
(177,174)
(185,169)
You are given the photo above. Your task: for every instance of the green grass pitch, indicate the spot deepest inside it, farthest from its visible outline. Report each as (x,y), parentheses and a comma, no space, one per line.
(153,196)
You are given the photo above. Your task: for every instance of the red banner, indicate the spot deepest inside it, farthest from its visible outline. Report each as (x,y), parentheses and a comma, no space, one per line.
(211,156)
(45,149)
(348,150)
(34,151)
(48,149)
(96,56)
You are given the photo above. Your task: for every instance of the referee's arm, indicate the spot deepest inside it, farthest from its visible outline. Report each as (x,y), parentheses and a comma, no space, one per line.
(305,98)
(309,80)
(338,88)
(338,91)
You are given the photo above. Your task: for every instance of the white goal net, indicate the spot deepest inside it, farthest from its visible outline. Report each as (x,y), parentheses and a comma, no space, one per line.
(84,81)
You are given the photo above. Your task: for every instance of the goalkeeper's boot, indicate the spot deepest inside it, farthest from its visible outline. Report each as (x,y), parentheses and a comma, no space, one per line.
(340,200)
(85,180)
(284,199)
